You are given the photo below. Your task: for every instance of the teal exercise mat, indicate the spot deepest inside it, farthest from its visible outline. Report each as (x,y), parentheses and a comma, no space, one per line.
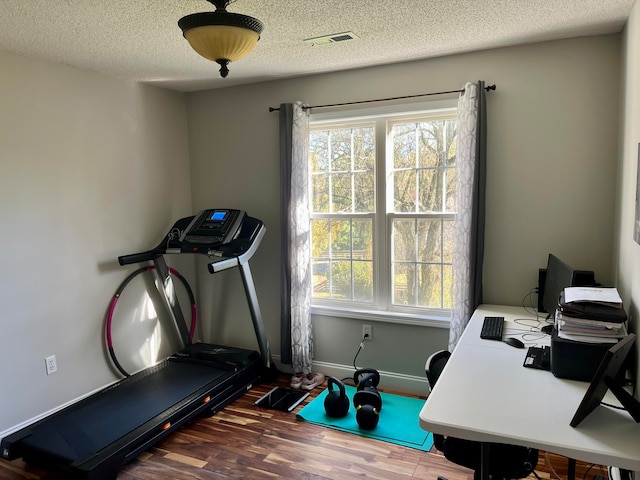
(398,420)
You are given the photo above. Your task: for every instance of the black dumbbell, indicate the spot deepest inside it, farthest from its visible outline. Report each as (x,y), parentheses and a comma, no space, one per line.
(336,403)
(367,399)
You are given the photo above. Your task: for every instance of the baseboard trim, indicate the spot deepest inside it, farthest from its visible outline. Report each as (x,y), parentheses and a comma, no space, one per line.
(390,381)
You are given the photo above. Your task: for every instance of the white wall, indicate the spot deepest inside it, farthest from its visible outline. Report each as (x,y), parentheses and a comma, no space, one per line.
(92,167)
(552,149)
(628,251)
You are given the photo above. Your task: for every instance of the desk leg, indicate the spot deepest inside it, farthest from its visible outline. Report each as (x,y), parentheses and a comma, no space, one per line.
(484,461)
(571,469)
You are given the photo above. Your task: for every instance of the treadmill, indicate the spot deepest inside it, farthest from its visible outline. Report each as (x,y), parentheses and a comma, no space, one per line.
(95,437)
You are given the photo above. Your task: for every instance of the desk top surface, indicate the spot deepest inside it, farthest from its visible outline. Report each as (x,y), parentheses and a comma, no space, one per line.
(486,394)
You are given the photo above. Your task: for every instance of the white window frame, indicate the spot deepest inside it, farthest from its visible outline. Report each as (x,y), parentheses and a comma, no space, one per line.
(382,308)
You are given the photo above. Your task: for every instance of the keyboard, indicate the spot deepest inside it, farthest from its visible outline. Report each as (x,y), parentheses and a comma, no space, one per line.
(492,328)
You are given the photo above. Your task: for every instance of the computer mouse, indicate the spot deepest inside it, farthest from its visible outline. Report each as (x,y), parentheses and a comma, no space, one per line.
(514,342)
(547,329)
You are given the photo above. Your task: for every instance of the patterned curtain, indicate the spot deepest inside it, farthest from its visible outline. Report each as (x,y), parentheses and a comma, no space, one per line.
(469,225)
(296,346)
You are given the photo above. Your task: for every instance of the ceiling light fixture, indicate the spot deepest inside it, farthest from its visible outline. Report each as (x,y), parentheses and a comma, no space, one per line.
(221,36)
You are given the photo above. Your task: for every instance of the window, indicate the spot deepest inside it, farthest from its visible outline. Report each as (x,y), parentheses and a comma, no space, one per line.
(382,203)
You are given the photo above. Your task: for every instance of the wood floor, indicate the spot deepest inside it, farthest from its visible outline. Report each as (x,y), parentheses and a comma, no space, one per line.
(248,442)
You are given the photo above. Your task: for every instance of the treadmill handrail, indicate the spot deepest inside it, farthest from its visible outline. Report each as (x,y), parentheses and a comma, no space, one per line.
(219,265)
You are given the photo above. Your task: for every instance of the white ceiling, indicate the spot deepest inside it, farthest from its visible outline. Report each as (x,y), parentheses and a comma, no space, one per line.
(140,39)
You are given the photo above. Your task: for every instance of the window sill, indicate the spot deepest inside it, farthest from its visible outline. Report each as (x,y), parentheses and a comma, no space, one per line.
(423,320)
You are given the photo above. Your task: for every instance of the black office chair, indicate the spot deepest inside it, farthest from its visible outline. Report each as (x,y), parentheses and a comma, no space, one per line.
(505,461)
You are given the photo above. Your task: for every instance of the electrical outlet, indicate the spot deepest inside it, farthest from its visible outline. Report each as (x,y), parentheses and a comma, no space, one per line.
(52,365)
(367,332)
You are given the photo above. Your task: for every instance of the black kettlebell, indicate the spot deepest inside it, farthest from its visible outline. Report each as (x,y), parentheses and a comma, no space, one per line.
(367,399)
(367,416)
(366,379)
(336,403)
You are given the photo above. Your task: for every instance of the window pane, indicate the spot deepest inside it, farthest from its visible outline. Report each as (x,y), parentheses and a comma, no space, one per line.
(349,183)
(342,259)
(364,186)
(431,144)
(420,256)
(320,258)
(364,149)
(320,239)
(341,193)
(404,240)
(451,142)
(404,191)
(320,279)
(430,194)
(320,193)
(340,145)
(430,287)
(341,280)
(447,251)
(363,239)
(363,281)
(403,282)
(450,182)
(447,271)
(319,151)
(404,145)
(340,239)
(430,243)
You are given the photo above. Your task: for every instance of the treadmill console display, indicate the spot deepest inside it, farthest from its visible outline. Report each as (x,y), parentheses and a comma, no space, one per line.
(218,216)
(215,226)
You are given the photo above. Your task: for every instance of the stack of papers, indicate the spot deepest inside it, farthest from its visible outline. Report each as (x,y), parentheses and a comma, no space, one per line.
(600,295)
(591,315)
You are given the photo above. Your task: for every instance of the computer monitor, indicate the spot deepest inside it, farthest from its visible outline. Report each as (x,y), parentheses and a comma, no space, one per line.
(559,275)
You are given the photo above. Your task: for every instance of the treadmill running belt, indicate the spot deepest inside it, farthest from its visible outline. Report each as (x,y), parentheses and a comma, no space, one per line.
(107,418)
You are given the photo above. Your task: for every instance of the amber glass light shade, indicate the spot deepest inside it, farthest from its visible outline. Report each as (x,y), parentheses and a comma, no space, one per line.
(216,42)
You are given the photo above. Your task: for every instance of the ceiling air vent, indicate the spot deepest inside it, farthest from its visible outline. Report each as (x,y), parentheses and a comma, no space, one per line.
(333,38)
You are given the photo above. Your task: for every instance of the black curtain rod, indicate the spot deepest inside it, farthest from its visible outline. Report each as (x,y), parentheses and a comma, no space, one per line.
(490,87)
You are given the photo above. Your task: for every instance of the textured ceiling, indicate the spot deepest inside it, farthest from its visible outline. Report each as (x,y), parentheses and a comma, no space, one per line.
(140,39)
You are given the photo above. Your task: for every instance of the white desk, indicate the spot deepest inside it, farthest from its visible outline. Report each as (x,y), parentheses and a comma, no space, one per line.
(485,394)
